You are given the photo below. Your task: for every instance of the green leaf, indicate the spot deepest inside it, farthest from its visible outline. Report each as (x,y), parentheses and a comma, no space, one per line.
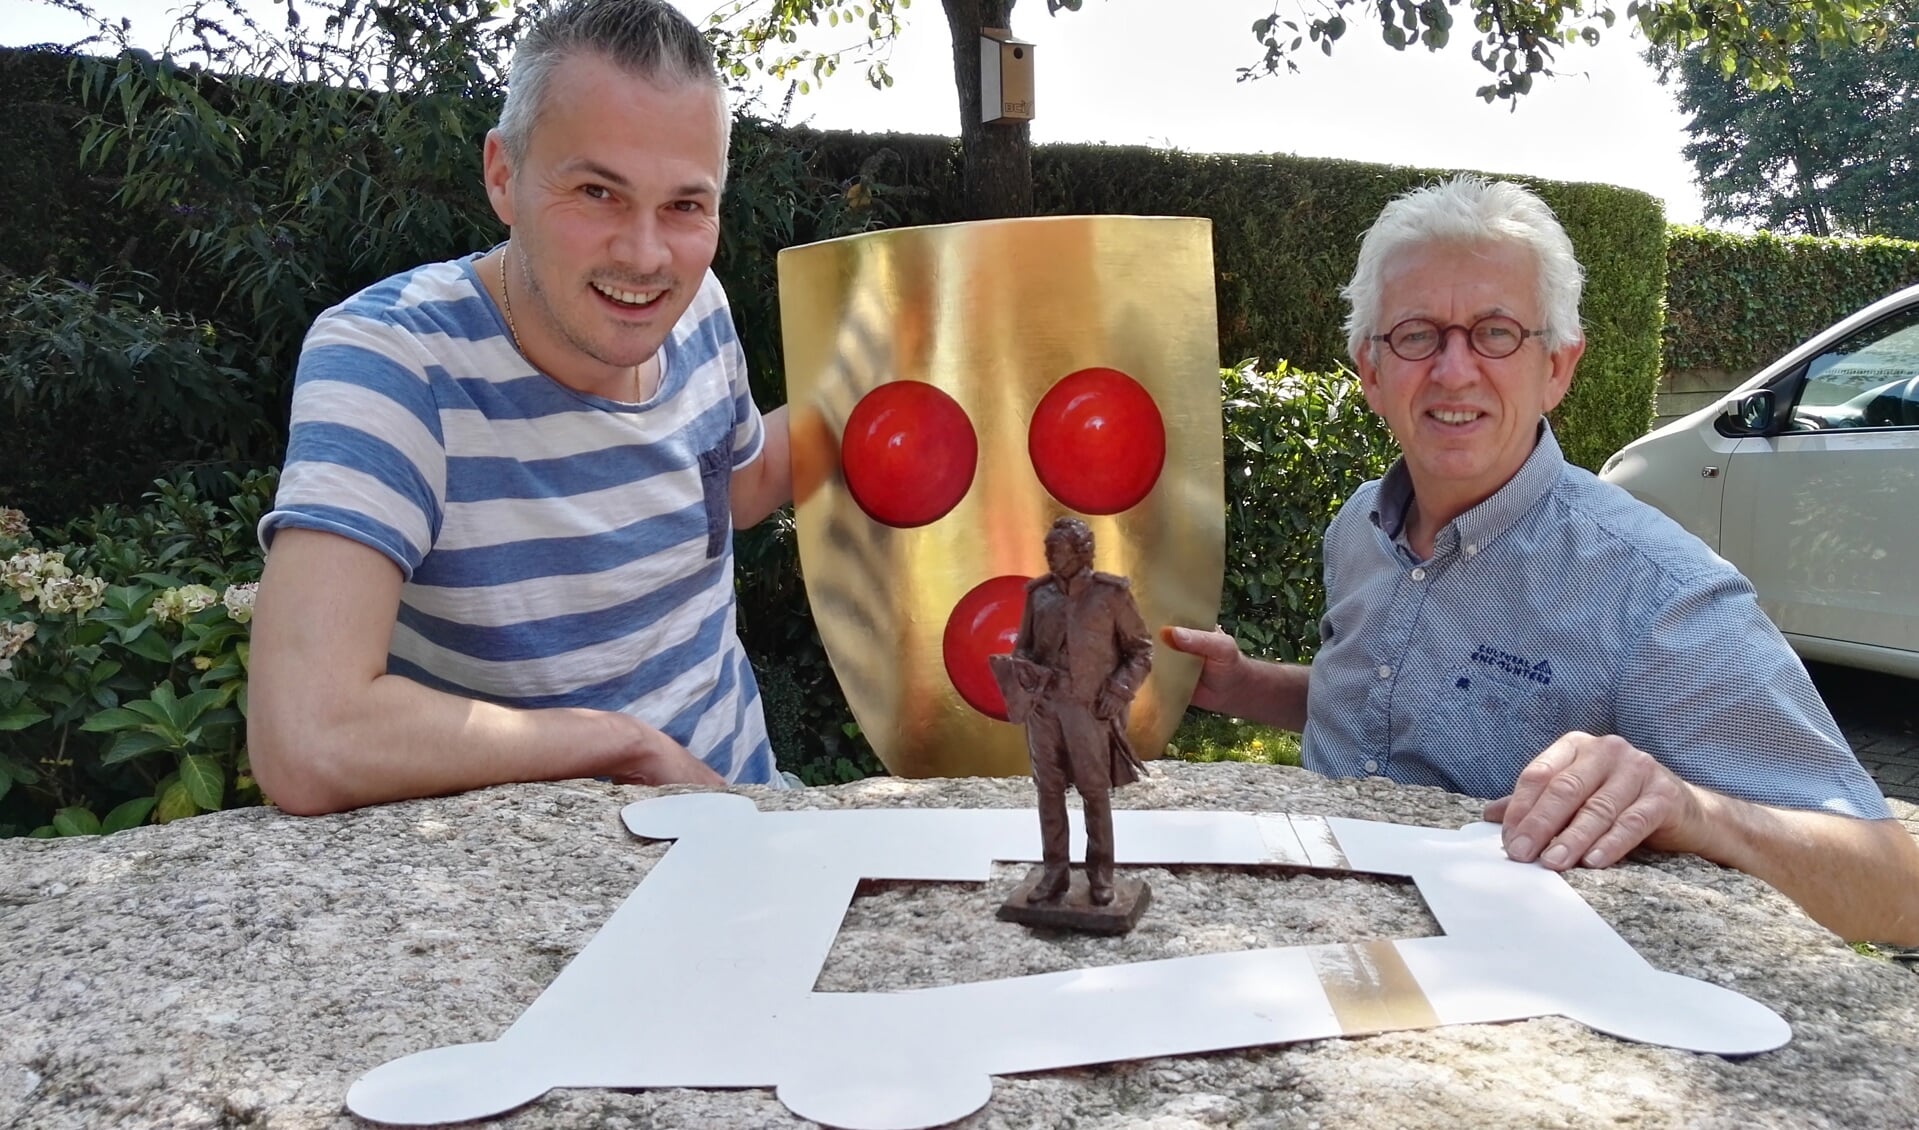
(76,822)
(205,781)
(189,709)
(175,803)
(226,672)
(225,716)
(208,640)
(118,718)
(19,771)
(168,702)
(149,645)
(134,744)
(125,598)
(132,814)
(21,715)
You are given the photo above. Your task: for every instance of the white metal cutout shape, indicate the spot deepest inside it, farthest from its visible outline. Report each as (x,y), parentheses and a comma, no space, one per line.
(704,976)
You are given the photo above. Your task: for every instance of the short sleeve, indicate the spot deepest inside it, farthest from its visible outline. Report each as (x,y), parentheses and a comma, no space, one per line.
(1715,693)
(366,456)
(749,431)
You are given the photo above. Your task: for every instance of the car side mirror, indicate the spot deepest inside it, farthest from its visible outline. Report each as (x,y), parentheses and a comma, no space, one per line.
(1751,415)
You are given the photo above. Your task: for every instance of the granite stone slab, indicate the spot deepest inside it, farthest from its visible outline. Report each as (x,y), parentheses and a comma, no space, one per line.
(243,968)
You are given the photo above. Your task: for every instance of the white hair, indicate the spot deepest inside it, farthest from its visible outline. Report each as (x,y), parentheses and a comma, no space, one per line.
(1474,212)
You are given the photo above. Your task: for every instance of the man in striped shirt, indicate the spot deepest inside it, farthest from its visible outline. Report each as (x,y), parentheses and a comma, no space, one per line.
(502,546)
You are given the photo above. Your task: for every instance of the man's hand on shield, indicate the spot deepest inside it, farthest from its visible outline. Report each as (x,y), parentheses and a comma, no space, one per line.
(1232,683)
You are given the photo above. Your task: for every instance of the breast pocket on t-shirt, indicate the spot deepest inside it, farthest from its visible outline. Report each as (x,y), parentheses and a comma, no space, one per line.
(716,484)
(1487,724)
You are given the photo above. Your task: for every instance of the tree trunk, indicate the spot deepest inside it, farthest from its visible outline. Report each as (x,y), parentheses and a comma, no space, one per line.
(998,156)
(1807,188)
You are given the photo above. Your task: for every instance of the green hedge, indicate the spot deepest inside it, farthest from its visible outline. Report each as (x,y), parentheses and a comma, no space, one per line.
(1735,302)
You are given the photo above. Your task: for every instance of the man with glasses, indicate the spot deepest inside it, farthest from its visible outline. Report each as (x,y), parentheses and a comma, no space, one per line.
(1502,624)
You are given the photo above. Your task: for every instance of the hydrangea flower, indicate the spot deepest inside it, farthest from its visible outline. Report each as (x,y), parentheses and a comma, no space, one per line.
(13,524)
(239,601)
(28,573)
(79,595)
(13,639)
(180,604)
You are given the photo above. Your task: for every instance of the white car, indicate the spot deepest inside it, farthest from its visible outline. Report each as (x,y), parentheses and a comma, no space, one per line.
(1806,477)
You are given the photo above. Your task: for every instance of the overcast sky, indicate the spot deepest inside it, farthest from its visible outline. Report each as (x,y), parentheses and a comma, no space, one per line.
(1160,73)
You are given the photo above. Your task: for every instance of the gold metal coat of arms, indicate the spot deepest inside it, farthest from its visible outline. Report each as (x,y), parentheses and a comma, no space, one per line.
(953,389)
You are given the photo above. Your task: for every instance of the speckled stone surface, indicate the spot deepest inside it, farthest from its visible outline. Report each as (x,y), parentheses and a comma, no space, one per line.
(242,969)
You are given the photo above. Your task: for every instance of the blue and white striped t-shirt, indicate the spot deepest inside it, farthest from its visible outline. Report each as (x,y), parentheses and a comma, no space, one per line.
(558,549)
(1560,603)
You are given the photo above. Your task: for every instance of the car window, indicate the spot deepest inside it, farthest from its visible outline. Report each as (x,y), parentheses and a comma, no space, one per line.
(1869,380)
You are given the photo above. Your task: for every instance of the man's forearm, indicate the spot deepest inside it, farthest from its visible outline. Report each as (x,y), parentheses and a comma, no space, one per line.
(328,729)
(397,739)
(1858,878)
(1273,694)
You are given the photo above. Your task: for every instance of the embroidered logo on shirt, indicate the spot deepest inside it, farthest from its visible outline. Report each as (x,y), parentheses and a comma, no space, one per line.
(1540,672)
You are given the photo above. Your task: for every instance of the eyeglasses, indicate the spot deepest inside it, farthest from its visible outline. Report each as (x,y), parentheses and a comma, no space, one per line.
(1492,337)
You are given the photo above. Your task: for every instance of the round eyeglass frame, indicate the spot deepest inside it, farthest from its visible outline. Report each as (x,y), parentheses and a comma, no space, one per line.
(1472,337)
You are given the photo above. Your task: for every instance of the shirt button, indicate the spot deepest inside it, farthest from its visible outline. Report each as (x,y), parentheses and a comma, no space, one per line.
(1472,550)
(1419,574)
(1385,672)
(1372,766)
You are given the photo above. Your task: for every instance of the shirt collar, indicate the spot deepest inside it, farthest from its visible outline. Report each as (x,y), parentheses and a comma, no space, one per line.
(1480,525)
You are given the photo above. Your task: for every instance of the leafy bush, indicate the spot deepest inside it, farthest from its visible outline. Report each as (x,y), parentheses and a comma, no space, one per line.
(1297,445)
(808,722)
(102,391)
(123,653)
(283,196)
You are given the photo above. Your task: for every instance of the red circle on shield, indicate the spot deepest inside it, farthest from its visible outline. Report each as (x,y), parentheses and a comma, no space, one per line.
(984,622)
(908,453)
(1097,441)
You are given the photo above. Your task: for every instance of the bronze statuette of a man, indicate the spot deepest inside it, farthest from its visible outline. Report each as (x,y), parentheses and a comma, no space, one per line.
(1081,655)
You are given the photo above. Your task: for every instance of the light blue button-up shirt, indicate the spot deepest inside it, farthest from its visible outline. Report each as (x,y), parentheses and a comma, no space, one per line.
(1560,603)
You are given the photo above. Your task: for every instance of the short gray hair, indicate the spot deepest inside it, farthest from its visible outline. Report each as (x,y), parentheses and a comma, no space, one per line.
(648,38)
(1473,212)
